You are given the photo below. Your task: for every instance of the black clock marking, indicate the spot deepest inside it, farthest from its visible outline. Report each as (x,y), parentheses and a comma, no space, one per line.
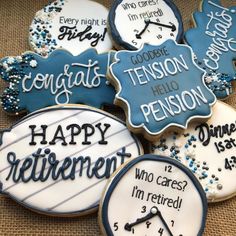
(154,211)
(149,22)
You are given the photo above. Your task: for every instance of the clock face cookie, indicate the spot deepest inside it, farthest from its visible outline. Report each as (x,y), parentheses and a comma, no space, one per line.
(215,26)
(160,87)
(133,23)
(57,161)
(74,25)
(208,150)
(152,195)
(36,82)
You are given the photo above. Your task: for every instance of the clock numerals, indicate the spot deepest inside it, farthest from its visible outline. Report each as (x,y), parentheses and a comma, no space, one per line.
(159,36)
(144,209)
(160,28)
(148,223)
(161,231)
(116,227)
(168,169)
(134,42)
(172,223)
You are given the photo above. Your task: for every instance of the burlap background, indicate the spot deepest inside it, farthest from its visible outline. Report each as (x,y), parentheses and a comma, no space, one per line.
(15,18)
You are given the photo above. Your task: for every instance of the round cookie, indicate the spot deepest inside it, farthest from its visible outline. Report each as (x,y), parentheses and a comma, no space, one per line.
(74,25)
(64,154)
(133,23)
(153,195)
(208,150)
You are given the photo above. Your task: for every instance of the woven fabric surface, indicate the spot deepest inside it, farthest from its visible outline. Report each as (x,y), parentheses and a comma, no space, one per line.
(15,18)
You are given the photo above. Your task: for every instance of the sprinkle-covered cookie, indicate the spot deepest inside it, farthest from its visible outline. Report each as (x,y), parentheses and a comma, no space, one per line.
(208,150)
(57,161)
(160,87)
(36,82)
(74,25)
(213,40)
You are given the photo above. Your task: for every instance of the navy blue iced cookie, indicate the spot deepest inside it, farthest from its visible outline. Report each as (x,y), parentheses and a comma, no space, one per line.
(160,87)
(214,42)
(36,82)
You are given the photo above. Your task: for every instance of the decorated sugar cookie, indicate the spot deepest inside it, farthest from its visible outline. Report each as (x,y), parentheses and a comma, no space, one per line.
(153,196)
(160,87)
(57,161)
(208,150)
(215,26)
(133,23)
(75,25)
(36,82)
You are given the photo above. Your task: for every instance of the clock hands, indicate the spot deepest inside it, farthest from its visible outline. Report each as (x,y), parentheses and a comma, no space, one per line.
(153,212)
(171,26)
(165,224)
(148,22)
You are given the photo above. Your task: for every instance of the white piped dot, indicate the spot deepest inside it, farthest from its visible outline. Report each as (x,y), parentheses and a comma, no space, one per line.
(154,210)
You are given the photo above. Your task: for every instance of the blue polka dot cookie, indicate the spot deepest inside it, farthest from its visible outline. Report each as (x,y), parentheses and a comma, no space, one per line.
(208,150)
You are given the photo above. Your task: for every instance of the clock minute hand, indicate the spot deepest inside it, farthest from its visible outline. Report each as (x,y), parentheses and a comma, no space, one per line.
(172,27)
(153,212)
(164,223)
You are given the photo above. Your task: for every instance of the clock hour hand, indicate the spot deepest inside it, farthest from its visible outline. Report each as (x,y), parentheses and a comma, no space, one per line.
(147,22)
(171,26)
(153,212)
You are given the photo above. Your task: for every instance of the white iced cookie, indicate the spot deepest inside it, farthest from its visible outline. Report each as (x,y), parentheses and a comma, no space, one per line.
(57,161)
(153,196)
(208,150)
(133,23)
(75,25)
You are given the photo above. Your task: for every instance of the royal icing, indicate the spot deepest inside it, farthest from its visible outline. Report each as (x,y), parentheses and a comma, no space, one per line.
(63,154)
(151,22)
(75,25)
(208,150)
(215,27)
(160,86)
(152,195)
(36,82)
